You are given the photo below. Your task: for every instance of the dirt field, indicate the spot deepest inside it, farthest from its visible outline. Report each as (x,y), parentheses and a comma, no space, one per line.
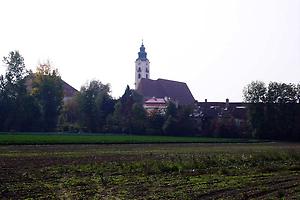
(150,171)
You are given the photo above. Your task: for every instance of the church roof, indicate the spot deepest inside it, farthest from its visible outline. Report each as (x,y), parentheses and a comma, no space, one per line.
(161,88)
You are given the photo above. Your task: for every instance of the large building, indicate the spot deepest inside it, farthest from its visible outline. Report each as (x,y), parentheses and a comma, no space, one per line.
(161,88)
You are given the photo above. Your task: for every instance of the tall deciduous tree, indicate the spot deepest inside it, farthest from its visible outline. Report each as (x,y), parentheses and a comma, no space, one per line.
(95,104)
(255,92)
(127,110)
(13,111)
(47,88)
(281,93)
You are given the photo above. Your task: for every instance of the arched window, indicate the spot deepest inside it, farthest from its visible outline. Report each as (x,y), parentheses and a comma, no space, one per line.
(139,76)
(139,70)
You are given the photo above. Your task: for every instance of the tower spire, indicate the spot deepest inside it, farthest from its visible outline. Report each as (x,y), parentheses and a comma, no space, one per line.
(142,54)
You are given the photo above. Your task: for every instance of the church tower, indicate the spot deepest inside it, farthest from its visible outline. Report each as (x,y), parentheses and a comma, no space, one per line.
(142,66)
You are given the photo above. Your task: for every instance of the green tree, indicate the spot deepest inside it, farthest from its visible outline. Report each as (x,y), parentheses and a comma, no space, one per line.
(155,122)
(95,104)
(69,118)
(114,121)
(278,116)
(255,92)
(138,119)
(170,125)
(179,120)
(13,95)
(186,123)
(127,111)
(281,93)
(16,71)
(47,88)
(281,112)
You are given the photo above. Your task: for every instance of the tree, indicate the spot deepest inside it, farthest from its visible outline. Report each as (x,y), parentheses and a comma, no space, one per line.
(13,93)
(155,122)
(170,125)
(16,71)
(255,92)
(298,92)
(138,120)
(277,117)
(178,120)
(186,123)
(281,93)
(127,110)
(69,118)
(48,90)
(171,109)
(281,110)
(95,104)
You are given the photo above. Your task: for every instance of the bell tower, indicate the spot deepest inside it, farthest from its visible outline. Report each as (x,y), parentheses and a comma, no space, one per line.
(142,66)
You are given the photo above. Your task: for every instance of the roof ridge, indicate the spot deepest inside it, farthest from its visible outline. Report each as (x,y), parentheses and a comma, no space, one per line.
(162,79)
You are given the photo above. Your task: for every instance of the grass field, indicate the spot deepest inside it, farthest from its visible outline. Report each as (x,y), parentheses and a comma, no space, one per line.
(55,138)
(151,171)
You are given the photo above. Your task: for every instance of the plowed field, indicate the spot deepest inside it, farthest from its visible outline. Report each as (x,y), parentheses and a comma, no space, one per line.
(150,171)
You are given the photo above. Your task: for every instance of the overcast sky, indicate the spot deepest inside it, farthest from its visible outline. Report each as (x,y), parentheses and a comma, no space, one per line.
(215,46)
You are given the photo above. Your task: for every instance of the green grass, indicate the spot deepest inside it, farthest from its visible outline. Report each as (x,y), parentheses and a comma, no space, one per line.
(40,138)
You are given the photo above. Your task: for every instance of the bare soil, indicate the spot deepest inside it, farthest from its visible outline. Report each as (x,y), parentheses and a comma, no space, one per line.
(150,171)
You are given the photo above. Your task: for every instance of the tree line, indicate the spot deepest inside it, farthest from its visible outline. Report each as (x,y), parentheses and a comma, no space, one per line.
(94,110)
(29,102)
(274,110)
(34,102)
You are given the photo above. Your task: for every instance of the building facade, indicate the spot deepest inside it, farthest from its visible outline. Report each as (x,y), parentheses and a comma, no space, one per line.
(156,105)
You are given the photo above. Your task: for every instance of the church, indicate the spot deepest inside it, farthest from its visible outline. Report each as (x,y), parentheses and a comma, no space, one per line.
(160,90)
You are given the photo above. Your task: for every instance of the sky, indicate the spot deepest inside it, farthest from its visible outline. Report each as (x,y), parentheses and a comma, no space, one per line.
(217,47)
